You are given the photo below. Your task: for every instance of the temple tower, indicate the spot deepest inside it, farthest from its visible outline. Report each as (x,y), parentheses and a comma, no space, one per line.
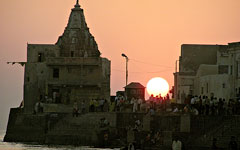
(70,70)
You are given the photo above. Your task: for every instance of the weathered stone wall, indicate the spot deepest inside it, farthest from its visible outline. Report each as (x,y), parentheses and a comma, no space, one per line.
(35,80)
(79,79)
(47,50)
(25,128)
(192,55)
(58,128)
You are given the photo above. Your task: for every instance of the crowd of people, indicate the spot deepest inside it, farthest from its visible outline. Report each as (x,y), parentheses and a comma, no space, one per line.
(196,105)
(203,105)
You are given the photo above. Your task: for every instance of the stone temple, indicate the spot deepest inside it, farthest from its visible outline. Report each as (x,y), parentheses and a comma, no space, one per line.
(72,70)
(68,71)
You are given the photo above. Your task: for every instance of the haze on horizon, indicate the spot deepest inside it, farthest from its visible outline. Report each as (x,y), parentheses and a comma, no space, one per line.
(147,31)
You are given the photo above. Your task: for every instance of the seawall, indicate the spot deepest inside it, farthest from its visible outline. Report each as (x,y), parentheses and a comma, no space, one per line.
(86,129)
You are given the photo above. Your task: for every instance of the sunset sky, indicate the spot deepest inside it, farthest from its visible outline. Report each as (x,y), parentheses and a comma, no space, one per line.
(149,32)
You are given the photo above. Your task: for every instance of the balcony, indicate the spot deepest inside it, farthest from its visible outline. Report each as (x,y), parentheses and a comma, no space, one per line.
(89,61)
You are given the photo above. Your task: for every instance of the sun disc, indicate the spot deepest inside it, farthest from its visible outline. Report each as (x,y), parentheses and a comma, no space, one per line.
(157,86)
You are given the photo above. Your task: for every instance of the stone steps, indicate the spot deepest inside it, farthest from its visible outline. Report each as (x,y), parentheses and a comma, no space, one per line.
(223,133)
(86,122)
(82,129)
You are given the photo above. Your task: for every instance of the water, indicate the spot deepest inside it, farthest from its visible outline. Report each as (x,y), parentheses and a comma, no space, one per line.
(20,146)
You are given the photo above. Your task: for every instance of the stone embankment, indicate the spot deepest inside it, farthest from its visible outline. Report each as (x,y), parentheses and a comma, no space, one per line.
(86,129)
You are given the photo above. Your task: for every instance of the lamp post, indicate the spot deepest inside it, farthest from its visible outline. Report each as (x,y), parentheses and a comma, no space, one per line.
(176,65)
(176,82)
(123,55)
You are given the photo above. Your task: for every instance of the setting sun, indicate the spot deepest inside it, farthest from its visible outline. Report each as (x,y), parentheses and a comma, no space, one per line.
(157,86)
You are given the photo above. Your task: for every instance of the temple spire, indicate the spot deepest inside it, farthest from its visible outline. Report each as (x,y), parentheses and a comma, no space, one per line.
(77,4)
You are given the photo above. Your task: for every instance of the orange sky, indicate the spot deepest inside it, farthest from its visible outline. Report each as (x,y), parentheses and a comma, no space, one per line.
(150,31)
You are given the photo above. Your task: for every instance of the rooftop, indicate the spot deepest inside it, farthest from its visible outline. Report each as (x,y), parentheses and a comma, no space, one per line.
(134,85)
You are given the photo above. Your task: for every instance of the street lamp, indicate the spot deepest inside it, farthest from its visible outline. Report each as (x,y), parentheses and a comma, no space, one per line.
(176,65)
(123,55)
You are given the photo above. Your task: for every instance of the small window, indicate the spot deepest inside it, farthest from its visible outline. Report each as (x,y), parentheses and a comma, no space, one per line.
(55,73)
(223,85)
(40,57)
(72,53)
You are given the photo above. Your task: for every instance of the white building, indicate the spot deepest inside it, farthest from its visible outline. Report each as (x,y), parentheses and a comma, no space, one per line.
(208,70)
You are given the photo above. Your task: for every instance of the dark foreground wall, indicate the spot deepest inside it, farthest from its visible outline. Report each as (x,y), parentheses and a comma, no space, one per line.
(25,128)
(64,129)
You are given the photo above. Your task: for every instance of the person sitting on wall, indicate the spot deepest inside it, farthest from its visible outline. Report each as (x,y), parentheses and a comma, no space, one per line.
(186,109)
(140,101)
(112,106)
(131,146)
(137,125)
(175,110)
(118,104)
(96,104)
(106,106)
(122,103)
(135,105)
(36,107)
(106,122)
(157,138)
(75,109)
(195,111)
(103,122)
(207,105)
(101,104)
(176,144)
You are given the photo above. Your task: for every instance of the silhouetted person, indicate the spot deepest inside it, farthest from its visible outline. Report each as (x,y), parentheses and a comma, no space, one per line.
(176,144)
(207,105)
(75,109)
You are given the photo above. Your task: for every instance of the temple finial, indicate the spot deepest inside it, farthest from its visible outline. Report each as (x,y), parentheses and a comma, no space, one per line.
(77,4)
